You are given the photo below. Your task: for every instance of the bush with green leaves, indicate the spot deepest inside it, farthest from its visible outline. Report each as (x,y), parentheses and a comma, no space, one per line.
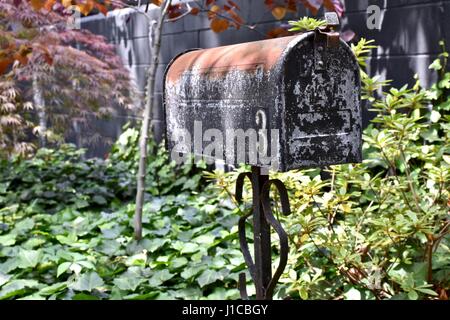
(66,229)
(379,229)
(57,178)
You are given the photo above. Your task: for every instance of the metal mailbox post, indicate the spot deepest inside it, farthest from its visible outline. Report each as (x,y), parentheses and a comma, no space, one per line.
(300,96)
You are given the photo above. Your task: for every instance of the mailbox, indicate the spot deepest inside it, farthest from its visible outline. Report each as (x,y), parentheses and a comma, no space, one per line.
(285,103)
(297,99)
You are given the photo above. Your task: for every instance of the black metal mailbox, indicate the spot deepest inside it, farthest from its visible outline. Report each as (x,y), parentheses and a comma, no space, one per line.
(286,103)
(301,94)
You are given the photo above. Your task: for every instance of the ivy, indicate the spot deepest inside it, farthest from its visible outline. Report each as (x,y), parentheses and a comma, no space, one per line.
(69,244)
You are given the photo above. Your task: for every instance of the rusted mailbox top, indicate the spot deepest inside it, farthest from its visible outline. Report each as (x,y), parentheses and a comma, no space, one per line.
(297,99)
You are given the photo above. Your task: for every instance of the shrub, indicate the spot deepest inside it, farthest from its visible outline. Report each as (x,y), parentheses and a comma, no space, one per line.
(379,229)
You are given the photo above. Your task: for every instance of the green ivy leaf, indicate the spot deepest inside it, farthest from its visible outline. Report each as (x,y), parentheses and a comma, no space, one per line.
(88,282)
(62,268)
(23,226)
(52,289)
(7,240)
(208,277)
(159,277)
(4,278)
(110,247)
(178,262)
(29,258)
(99,200)
(139,259)
(33,243)
(154,244)
(128,282)
(69,240)
(17,287)
(190,248)
(192,271)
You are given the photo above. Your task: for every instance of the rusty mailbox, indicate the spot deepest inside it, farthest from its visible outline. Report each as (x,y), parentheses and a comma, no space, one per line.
(296,100)
(302,91)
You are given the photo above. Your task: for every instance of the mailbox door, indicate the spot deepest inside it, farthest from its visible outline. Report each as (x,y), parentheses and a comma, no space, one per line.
(322,105)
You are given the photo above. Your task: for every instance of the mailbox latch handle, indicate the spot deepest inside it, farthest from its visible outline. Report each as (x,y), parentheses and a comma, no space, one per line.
(326,37)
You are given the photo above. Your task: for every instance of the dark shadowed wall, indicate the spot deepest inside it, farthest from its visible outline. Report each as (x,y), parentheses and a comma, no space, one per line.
(408,42)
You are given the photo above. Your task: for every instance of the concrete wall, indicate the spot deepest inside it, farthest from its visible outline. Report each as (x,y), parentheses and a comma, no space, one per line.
(408,41)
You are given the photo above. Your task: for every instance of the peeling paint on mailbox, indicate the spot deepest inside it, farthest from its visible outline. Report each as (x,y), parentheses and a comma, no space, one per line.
(305,89)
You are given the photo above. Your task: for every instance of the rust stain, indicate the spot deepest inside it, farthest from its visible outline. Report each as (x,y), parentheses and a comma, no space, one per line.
(240,57)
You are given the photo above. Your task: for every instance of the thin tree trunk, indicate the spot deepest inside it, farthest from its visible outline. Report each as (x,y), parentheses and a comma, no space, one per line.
(155,44)
(39,103)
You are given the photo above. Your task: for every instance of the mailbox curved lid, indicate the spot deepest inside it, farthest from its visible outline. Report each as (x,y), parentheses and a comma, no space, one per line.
(265,53)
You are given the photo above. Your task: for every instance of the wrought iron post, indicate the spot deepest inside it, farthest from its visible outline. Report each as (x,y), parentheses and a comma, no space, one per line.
(261,268)
(261,235)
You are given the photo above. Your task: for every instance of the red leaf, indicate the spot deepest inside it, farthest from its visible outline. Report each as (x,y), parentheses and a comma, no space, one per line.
(313,5)
(48,59)
(49,4)
(233,4)
(101,8)
(172,14)
(219,25)
(277,33)
(4,64)
(210,2)
(236,17)
(195,11)
(292,6)
(86,7)
(268,3)
(279,12)
(37,4)
(23,59)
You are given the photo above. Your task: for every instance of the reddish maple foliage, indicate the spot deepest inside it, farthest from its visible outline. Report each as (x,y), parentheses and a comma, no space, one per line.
(77,74)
